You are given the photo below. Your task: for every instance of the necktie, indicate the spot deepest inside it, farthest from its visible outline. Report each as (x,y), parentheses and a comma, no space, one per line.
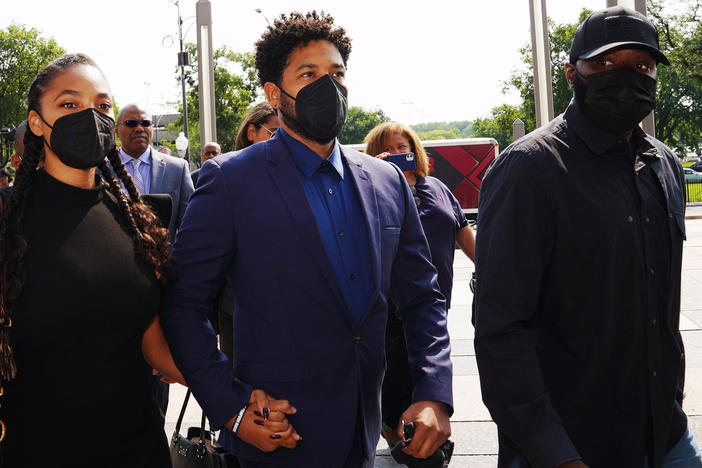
(136,176)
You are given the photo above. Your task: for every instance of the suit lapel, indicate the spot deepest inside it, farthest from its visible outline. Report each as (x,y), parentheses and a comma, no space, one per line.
(158,171)
(287,180)
(363,182)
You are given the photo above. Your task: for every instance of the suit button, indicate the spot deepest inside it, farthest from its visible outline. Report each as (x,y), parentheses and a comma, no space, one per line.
(655,374)
(353,277)
(356,339)
(630,219)
(653,322)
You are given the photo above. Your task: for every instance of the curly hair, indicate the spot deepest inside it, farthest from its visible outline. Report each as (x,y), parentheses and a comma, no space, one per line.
(376,138)
(150,240)
(290,32)
(257,116)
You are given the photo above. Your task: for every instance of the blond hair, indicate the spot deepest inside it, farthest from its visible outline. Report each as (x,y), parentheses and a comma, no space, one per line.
(376,138)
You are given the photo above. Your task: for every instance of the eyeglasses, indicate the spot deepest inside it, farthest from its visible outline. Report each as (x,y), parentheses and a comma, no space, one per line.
(133,123)
(211,153)
(272,132)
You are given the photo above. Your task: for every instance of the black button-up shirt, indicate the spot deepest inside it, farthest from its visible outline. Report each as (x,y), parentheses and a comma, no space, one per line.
(577,302)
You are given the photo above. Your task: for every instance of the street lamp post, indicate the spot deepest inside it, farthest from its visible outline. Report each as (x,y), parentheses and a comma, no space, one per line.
(183,61)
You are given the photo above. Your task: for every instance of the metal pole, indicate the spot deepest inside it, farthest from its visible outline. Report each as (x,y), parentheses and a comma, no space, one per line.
(541,55)
(649,122)
(182,63)
(518,129)
(208,118)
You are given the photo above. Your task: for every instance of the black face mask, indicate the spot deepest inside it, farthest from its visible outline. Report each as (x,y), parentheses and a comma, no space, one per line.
(82,140)
(321,109)
(616,100)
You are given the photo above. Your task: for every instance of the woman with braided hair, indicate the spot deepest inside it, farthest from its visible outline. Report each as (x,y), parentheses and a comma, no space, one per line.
(82,272)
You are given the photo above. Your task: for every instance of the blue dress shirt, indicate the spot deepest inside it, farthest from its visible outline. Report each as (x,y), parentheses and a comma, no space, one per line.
(144,168)
(340,220)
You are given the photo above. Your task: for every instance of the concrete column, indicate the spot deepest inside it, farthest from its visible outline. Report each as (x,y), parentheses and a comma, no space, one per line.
(205,66)
(541,54)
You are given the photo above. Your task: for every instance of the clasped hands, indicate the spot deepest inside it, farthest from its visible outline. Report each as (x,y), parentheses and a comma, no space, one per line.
(265,425)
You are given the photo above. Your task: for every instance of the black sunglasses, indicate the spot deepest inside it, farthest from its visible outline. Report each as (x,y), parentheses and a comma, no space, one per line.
(133,123)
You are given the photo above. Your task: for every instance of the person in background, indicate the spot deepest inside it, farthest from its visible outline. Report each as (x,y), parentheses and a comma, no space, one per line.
(209,151)
(578,265)
(444,225)
(260,123)
(85,267)
(164,150)
(153,172)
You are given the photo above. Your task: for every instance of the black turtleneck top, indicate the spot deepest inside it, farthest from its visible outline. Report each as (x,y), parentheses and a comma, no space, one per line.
(82,395)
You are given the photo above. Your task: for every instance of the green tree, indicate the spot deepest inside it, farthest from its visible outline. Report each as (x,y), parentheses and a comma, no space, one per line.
(359,122)
(440,134)
(23,53)
(560,38)
(444,130)
(498,125)
(678,113)
(236,88)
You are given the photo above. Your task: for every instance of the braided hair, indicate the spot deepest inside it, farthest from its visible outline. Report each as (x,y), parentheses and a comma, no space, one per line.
(150,240)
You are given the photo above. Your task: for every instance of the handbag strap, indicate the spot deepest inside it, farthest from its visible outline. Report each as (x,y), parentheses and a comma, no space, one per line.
(182,411)
(182,414)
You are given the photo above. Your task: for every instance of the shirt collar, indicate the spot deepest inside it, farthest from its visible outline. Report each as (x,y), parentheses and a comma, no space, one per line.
(599,140)
(145,157)
(306,160)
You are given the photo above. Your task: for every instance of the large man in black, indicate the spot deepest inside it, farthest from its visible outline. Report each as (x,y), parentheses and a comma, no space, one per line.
(578,264)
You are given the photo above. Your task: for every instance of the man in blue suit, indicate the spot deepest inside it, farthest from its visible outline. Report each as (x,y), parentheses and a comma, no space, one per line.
(316,239)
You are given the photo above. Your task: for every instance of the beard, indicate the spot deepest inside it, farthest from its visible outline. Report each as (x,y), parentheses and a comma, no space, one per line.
(289,115)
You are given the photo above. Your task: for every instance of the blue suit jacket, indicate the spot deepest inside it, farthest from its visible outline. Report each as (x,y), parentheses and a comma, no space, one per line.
(171,175)
(293,334)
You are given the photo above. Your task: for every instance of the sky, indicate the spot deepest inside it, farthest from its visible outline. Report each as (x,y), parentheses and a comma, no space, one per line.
(438,60)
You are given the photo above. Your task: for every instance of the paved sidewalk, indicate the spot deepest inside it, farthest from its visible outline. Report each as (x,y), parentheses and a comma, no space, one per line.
(474,433)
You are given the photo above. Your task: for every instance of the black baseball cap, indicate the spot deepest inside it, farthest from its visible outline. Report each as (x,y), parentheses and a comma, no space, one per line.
(615,27)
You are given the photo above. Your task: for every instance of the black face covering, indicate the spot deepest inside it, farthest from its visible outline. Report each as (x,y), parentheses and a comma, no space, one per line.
(82,140)
(321,108)
(616,100)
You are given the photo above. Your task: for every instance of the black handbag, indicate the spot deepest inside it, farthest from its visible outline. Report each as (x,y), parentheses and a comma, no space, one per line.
(198,450)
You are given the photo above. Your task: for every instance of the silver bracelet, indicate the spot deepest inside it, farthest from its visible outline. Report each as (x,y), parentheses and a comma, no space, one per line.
(235,427)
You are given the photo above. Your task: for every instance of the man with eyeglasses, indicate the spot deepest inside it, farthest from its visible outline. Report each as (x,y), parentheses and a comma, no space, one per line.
(153,172)
(210,150)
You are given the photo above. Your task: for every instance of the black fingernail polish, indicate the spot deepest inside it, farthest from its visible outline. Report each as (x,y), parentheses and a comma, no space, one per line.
(260,422)
(266,413)
(275,436)
(257,413)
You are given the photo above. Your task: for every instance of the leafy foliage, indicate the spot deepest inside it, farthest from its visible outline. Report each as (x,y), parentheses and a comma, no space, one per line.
(23,53)
(359,122)
(444,130)
(236,88)
(678,111)
(499,124)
